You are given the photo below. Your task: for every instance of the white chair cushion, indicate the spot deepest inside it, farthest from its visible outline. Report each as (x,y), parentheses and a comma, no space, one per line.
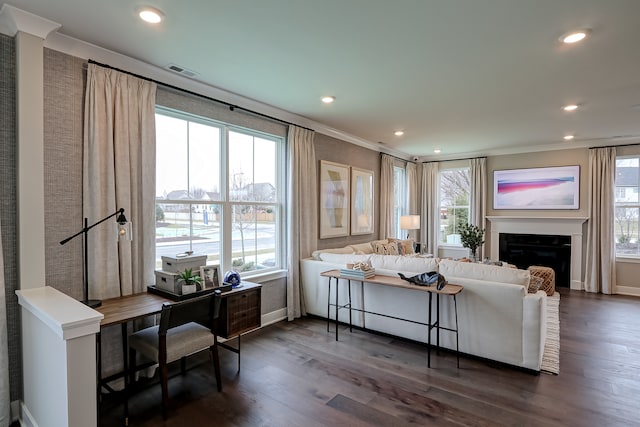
(181,341)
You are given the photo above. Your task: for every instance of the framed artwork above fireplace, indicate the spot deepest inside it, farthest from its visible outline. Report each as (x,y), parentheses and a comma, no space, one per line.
(537,188)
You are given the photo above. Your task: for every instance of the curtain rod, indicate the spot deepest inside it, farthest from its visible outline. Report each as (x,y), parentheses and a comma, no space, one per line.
(455,160)
(613,146)
(395,157)
(231,106)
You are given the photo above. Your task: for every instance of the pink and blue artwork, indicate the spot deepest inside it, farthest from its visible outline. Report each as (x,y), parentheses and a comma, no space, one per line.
(537,188)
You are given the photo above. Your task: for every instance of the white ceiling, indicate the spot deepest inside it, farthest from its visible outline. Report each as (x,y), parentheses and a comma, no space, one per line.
(471,77)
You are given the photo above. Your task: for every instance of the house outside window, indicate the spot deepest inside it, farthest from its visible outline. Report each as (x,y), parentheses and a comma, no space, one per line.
(218,192)
(627,206)
(399,190)
(454,195)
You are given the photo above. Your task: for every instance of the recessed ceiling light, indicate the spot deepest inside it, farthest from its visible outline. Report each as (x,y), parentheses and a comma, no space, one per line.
(575,36)
(568,137)
(437,151)
(328,99)
(150,15)
(398,133)
(570,107)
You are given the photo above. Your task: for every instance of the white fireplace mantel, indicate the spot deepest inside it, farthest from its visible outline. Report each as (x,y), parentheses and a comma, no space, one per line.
(561,226)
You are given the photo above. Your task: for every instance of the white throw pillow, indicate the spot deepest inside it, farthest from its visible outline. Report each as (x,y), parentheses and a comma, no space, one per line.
(491,273)
(402,263)
(362,248)
(343,258)
(317,253)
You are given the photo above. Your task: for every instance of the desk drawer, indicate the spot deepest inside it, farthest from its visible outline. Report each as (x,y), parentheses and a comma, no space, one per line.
(239,313)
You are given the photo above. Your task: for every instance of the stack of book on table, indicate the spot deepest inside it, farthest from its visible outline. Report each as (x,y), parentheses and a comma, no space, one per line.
(357,274)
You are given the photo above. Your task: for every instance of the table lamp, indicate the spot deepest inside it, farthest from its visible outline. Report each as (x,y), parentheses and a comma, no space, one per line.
(409,222)
(124,233)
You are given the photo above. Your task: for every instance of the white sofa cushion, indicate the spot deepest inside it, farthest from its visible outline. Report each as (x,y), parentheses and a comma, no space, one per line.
(362,248)
(490,273)
(403,264)
(344,258)
(317,253)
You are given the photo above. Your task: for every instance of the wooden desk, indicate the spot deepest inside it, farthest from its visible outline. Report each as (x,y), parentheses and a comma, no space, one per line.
(239,313)
(449,290)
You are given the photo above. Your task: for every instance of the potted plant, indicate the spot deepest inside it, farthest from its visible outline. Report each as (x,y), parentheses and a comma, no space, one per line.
(190,282)
(471,237)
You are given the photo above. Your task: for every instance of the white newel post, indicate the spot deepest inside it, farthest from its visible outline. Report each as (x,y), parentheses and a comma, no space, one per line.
(59,359)
(561,226)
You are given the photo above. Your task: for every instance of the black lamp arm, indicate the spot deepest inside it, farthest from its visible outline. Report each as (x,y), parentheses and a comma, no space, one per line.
(87,228)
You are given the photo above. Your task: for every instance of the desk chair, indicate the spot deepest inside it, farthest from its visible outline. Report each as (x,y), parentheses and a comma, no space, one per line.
(185,328)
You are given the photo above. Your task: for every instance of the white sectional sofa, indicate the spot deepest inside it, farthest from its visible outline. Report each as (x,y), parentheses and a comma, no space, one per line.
(498,319)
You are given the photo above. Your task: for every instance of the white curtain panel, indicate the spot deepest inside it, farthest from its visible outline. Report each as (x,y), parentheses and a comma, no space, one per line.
(601,247)
(119,172)
(5,397)
(430,207)
(412,206)
(386,197)
(477,216)
(302,212)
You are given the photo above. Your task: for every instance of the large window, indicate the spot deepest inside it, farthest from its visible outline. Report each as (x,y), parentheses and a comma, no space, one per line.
(455,185)
(218,192)
(398,198)
(627,206)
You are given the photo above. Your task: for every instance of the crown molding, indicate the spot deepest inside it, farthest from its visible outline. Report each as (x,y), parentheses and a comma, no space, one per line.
(13,20)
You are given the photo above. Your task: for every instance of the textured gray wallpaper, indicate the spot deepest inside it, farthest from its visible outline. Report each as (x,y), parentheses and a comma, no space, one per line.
(64,79)
(338,151)
(8,212)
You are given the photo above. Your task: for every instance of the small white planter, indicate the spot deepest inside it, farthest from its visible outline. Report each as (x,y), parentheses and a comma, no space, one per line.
(188,289)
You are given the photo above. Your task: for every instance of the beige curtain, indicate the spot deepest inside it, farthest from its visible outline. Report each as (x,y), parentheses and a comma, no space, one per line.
(430,208)
(478,211)
(302,212)
(386,197)
(601,247)
(5,397)
(119,172)
(412,186)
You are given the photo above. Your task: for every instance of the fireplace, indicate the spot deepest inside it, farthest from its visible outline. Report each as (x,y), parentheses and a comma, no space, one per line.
(552,251)
(551,227)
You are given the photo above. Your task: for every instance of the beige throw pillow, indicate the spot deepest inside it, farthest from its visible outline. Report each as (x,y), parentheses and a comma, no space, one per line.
(534,284)
(405,247)
(390,248)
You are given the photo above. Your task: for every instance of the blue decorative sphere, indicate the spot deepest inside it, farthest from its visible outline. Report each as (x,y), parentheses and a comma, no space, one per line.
(232,278)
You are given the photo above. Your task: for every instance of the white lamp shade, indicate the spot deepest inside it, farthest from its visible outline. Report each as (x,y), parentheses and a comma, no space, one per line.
(410,222)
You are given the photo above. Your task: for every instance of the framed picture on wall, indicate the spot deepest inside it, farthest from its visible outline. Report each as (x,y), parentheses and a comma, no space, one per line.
(537,188)
(361,201)
(334,200)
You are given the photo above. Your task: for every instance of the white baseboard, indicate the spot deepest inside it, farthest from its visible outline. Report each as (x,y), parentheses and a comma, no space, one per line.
(26,419)
(274,316)
(628,290)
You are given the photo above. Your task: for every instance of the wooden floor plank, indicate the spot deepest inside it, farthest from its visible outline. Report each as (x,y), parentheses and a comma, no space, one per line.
(296,374)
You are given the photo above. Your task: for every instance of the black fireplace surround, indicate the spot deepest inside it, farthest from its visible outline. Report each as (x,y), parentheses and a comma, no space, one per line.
(552,251)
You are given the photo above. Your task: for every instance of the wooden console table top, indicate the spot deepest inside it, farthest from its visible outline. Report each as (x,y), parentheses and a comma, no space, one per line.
(449,289)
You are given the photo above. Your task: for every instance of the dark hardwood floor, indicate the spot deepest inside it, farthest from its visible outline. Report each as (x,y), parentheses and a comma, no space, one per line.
(295,374)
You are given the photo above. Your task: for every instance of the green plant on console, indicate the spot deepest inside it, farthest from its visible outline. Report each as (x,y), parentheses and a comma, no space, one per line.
(471,237)
(187,277)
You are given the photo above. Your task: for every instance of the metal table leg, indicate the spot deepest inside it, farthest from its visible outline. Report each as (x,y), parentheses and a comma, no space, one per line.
(337,308)
(329,305)
(429,332)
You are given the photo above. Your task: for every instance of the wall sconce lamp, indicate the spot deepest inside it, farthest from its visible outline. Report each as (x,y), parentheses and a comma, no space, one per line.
(124,233)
